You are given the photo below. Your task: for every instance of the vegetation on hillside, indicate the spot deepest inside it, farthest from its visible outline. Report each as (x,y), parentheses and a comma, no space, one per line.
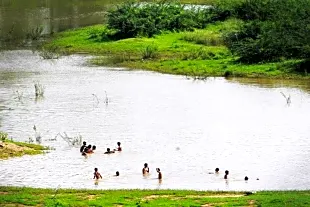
(245,38)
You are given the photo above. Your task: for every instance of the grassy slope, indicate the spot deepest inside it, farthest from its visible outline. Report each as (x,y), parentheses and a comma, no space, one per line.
(198,53)
(15,149)
(12,196)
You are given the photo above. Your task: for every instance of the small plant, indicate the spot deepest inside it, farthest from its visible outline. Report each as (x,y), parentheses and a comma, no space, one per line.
(47,54)
(3,136)
(39,89)
(149,52)
(19,95)
(35,33)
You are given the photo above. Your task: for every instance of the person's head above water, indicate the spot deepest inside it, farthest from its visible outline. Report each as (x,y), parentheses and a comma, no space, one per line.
(246,178)
(226,172)
(118,144)
(96,169)
(84,143)
(217,169)
(117,173)
(157,169)
(94,147)
(89,147)
(145,165)
(108,149)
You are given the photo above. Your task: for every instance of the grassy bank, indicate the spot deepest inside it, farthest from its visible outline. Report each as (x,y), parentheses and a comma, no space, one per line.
(197,53)
(9,148)
(12,196)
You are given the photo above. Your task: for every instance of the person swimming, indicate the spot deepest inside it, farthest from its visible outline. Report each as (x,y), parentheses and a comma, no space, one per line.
(146,169)
(226,174)
(118,147)
(116,174)
(97,175)
(87,149)
(217,170)
(160,176)
(109,151)
(246,178)
(83,147)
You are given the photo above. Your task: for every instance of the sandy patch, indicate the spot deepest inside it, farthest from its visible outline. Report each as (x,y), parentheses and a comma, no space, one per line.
(152,197)
(216,196)
(14,147)
(252,203)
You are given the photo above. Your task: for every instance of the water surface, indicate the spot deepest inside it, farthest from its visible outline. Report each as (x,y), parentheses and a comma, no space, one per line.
(187,128)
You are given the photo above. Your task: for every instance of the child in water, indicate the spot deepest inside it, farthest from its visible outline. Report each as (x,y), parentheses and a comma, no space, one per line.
(118,147)
(97,175)
(109,151)
(83,147)
(146,169)
(160,176)
(226,174)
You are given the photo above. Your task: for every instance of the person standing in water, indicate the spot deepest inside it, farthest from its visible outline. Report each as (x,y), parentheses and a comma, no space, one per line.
(160,176)
(118,147)
(97,175)
(83,147)
(226,174)
(146,169)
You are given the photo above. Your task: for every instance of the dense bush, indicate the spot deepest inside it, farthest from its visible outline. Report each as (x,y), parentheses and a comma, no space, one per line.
(274,29)
(133,19)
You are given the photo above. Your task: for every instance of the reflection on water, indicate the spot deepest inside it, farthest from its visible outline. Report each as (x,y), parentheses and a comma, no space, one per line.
(19,18)
(186,128)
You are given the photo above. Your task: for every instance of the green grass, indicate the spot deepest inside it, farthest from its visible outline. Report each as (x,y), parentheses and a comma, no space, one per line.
(14,196)
(17,149)
(197,53)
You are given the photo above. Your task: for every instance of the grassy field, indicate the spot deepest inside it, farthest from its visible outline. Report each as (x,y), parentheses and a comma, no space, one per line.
(196,53)
(15,149)
(13,196)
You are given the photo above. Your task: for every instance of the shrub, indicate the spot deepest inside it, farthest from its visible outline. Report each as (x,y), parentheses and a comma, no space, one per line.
(132,19)
(150,51)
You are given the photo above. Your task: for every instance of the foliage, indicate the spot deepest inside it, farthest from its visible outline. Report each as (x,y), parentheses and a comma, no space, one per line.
(136,19)
(274,30)
(3,136)
(149,52)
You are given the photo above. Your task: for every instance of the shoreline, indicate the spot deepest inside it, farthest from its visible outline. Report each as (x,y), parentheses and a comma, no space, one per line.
(199,53)
(73,197)
(10,148)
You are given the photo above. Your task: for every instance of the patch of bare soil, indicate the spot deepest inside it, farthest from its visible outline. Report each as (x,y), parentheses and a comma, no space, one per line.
(216,196)
(152,197)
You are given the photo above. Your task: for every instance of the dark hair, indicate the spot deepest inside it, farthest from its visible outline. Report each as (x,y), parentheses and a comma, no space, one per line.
(118,143)
(108,149)
(157,169)
(96,169)
(246,178)
(217,169)
(94,147)
(89,146)
(117,173)
(226,172)
(145,164)
(84,143)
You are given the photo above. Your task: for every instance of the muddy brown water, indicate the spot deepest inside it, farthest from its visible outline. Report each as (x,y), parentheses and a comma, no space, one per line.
(187,128)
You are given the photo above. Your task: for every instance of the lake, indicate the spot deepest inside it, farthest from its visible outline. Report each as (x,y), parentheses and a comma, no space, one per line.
(185,127)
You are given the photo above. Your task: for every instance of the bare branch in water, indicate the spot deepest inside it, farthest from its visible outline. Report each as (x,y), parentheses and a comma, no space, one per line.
(287,98)
(106,100)
(19,95)
(94,95)
(72,141)
(39,89)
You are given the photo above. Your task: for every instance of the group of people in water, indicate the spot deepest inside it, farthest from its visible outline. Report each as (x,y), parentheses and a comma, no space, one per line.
(85,150)
(145,170)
